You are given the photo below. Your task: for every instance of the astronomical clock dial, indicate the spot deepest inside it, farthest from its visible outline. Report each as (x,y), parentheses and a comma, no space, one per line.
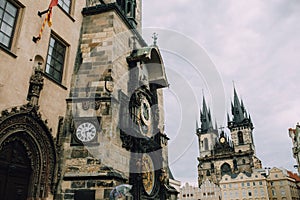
(222,140)
(86,132)
(145,117)
(148,174)
(146,112)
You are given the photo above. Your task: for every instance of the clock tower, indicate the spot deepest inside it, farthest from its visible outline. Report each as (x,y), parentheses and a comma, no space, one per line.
(222,153)
(113,131)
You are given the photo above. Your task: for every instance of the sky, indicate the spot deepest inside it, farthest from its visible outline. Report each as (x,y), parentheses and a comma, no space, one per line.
(209,46)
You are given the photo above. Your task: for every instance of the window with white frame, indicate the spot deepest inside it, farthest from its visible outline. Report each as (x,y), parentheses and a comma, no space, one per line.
(8,18)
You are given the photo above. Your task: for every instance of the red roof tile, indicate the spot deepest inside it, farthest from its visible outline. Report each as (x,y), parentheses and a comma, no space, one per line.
(294,176)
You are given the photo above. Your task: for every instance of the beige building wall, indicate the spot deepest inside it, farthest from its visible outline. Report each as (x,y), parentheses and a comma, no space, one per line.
(18,62)
(282,184)
(207,191)
(244,186)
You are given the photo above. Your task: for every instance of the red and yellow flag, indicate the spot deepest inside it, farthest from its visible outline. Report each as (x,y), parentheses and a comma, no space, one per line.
(53,3)
(48,19)
(49,14)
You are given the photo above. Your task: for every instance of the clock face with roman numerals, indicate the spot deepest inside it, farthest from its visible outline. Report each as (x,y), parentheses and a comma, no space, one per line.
(86,132)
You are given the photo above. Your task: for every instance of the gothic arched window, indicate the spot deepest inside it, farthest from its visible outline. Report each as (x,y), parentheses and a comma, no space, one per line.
(212,167)
(240,137)
(205,144)
(207,173)
(225,169)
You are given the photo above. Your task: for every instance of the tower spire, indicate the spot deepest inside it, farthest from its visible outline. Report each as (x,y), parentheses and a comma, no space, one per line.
(228,118)
(238,110)
(206,122)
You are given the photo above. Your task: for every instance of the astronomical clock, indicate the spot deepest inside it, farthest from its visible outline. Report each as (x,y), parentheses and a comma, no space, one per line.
(140,122)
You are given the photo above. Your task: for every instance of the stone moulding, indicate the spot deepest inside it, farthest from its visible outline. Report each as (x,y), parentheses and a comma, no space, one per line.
(25,125)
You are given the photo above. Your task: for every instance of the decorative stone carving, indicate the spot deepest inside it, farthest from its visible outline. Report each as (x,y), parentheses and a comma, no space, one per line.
(26,126)
(36,84)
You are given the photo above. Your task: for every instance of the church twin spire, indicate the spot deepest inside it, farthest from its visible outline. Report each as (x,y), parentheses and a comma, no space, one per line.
(239,113)
(206,120)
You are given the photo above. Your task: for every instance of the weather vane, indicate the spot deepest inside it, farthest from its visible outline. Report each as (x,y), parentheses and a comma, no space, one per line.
(155,38)
(222,128)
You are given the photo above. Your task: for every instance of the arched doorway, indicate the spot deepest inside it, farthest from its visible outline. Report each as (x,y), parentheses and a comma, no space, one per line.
(27,155)
(15,171)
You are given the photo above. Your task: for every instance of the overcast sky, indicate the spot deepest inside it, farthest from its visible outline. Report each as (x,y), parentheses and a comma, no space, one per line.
(206,45)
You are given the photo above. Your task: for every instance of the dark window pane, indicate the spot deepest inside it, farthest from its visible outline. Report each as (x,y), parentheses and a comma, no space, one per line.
(2,4)
(8,13)
(11,9)
(6,29)
(65,4)
(84,195)
(4,39)
(55,59)
(9,19)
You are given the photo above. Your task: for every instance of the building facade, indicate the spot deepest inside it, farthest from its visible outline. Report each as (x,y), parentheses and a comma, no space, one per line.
(207,191)
(220,155)
(295,136)
(34,83)
(81,102)
(283,184)
(245,186)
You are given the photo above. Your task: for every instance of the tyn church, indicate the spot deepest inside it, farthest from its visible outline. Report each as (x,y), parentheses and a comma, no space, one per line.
(221,154)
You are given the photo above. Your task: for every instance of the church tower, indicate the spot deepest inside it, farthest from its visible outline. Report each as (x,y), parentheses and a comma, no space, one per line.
(240,126)
(222,153)
(113,131)
(207,137)
(207,134)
